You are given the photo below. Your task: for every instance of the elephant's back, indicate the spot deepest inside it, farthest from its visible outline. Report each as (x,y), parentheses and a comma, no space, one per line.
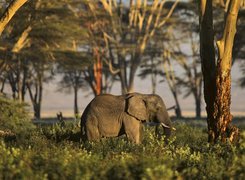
(108,103)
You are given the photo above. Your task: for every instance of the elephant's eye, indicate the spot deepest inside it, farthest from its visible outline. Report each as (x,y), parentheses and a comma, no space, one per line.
(158,107)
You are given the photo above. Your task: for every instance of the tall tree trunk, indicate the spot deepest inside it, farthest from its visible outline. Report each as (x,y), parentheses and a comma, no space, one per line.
(123,75)
(217,79)
(9,13)
(198,107)
(36,98)
(75,101)
(170,77)
(130,87)
(19,80)
(37,110)
(153,76)
(23,90)
(207,54)
(97,72)
(223,77)
(177,108)
(2,85)
(12,82)
(134,66)
(198,100)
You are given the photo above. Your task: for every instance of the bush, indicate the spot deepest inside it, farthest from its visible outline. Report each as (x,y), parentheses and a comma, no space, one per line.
(15,118)
(54,152)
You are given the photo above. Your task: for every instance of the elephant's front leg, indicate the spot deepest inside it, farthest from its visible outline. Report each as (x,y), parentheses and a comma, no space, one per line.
(133,129)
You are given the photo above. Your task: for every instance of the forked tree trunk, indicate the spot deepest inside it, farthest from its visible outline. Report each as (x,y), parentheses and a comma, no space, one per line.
(36,97)
(217,79)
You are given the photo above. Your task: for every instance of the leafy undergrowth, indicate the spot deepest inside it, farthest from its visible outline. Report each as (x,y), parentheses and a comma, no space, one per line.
(55,152)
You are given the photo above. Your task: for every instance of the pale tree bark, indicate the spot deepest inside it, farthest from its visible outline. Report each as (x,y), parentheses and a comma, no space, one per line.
(9,13)
(23,40)
(217,79)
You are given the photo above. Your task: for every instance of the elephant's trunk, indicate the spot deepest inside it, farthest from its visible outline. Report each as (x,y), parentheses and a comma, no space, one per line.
(167,130)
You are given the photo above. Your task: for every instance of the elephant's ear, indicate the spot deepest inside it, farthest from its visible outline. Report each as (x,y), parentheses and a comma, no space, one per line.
(136,107)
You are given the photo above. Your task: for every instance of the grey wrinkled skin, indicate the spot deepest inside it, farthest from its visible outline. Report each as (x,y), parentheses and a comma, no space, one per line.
(111,116)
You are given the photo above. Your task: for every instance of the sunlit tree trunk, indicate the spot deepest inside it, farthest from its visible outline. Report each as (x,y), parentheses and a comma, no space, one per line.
(217,79)
(9,13)
(97,72)
(223,77)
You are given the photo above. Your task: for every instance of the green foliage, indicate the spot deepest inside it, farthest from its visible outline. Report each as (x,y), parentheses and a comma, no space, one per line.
(15,118)
(55,152)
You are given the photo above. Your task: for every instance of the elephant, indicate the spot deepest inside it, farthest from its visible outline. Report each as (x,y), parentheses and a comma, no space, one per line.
(109,115)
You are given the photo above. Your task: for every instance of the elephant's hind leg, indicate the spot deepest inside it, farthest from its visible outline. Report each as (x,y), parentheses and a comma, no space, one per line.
(92,132)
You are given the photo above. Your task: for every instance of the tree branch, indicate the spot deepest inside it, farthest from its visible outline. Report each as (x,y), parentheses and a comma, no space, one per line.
(9,13)
(22,41)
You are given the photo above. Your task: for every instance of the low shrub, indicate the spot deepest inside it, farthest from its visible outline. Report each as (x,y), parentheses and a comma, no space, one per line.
(15,119)
(55,152)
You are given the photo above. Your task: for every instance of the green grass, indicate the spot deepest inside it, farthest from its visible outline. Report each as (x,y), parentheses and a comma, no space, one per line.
(54,152)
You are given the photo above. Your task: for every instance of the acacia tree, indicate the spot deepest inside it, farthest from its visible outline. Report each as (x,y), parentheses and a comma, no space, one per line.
(191,79)
(160,64)
(72,67)
(32,50)
(37,75)
(97,75)
(171,80)
(217,76)
(126,30)
(91,41)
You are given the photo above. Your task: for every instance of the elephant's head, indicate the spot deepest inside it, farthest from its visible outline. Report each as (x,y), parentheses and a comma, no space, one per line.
(149,108)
